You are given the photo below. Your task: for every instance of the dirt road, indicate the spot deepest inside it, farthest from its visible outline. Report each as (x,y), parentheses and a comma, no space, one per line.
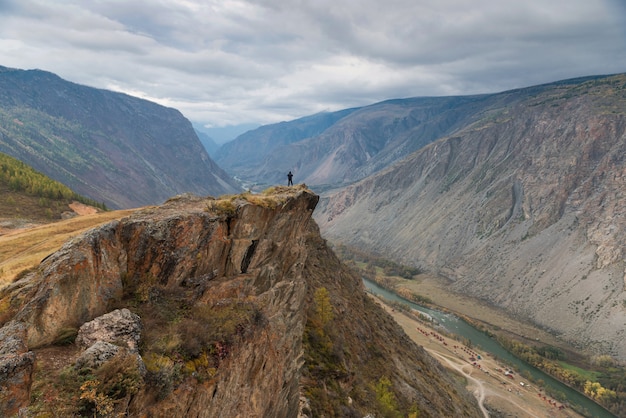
(496,388)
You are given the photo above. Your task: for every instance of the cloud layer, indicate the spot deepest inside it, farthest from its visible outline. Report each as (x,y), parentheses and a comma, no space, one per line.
(228,62)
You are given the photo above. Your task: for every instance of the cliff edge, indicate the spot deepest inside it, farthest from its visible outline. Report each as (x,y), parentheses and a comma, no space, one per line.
(209,307)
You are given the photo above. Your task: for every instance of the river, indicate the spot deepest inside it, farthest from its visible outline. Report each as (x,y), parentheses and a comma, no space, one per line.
(457,326)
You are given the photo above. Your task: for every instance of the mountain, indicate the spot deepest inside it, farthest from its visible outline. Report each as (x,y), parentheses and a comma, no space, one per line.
(208,143)
(337,148)
(204,308)
(522,208)
(264,155)
(223,134)
(29,196)
(111,147)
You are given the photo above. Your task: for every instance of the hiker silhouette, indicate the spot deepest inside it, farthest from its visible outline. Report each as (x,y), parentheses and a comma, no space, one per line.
(289,179)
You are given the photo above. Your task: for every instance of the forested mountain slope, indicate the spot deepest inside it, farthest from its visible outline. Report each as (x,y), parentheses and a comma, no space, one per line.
(30,196)
(110,147)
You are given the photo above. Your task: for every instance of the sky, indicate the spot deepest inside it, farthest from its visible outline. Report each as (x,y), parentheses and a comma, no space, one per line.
(233,62)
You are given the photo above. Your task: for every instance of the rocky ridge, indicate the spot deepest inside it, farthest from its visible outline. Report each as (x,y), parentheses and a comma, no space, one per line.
(228,295)
(522,209)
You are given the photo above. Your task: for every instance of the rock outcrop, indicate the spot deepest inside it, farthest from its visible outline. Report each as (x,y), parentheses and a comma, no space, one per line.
(121,326)
(227,293)
(16,369)
(96,355)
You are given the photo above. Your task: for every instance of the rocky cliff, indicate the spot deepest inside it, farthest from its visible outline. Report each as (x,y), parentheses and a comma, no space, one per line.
(210,307)
(111,147)
(523,208)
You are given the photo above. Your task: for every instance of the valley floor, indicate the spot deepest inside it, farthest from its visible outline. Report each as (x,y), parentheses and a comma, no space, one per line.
(497,394)
(496,320)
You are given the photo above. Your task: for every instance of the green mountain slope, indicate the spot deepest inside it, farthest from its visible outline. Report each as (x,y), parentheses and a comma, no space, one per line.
(28,195)
(111,147)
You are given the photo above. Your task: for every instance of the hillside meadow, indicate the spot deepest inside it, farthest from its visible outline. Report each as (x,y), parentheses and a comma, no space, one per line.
(24,248)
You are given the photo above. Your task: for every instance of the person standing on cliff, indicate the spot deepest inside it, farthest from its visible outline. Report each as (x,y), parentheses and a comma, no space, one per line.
(289,179)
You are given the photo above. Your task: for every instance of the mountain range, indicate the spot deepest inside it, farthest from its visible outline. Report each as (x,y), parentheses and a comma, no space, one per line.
(514,198)
(111,147)
(333,149)
(522,208)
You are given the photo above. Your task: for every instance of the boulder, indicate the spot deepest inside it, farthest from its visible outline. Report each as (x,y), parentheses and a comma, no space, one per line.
(96,355)
(119,327)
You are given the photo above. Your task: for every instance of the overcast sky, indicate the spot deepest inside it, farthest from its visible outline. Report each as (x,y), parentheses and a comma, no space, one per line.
(229,62)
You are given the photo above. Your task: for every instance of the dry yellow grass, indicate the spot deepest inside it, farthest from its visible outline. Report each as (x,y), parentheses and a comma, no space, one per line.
(22,249)
(25,248)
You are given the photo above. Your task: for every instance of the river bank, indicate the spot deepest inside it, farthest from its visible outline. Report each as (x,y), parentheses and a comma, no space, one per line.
(471,334)
(498,392)
(479,312)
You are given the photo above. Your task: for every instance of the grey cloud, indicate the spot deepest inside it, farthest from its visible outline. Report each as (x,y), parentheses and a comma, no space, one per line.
(237,61)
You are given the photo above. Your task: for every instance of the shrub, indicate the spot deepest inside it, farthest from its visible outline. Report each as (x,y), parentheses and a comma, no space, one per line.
(386,398)
(120,376)
(6,310)
(97,401)
(225,206)
(24,273)
(163,373)
(323,306)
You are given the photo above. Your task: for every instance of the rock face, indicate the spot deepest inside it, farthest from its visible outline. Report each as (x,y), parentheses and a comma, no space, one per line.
(96,355)
(524,209)
(111,147)
(16,369)
(226,291)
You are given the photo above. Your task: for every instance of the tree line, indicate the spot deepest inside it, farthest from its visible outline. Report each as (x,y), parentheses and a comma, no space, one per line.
(20,177)
(604,382)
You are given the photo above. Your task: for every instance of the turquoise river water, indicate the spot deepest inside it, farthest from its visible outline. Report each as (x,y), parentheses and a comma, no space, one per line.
(457,326)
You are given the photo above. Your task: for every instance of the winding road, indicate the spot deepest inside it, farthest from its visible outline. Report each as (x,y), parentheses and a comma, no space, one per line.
(480,388)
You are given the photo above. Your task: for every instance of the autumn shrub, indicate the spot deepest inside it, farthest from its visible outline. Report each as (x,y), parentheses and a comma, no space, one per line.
(163,374)
(225,205)
(120,376)
(93,401)
(184,339)
(386,398)
(24,273)
(6,310)
(86,391)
